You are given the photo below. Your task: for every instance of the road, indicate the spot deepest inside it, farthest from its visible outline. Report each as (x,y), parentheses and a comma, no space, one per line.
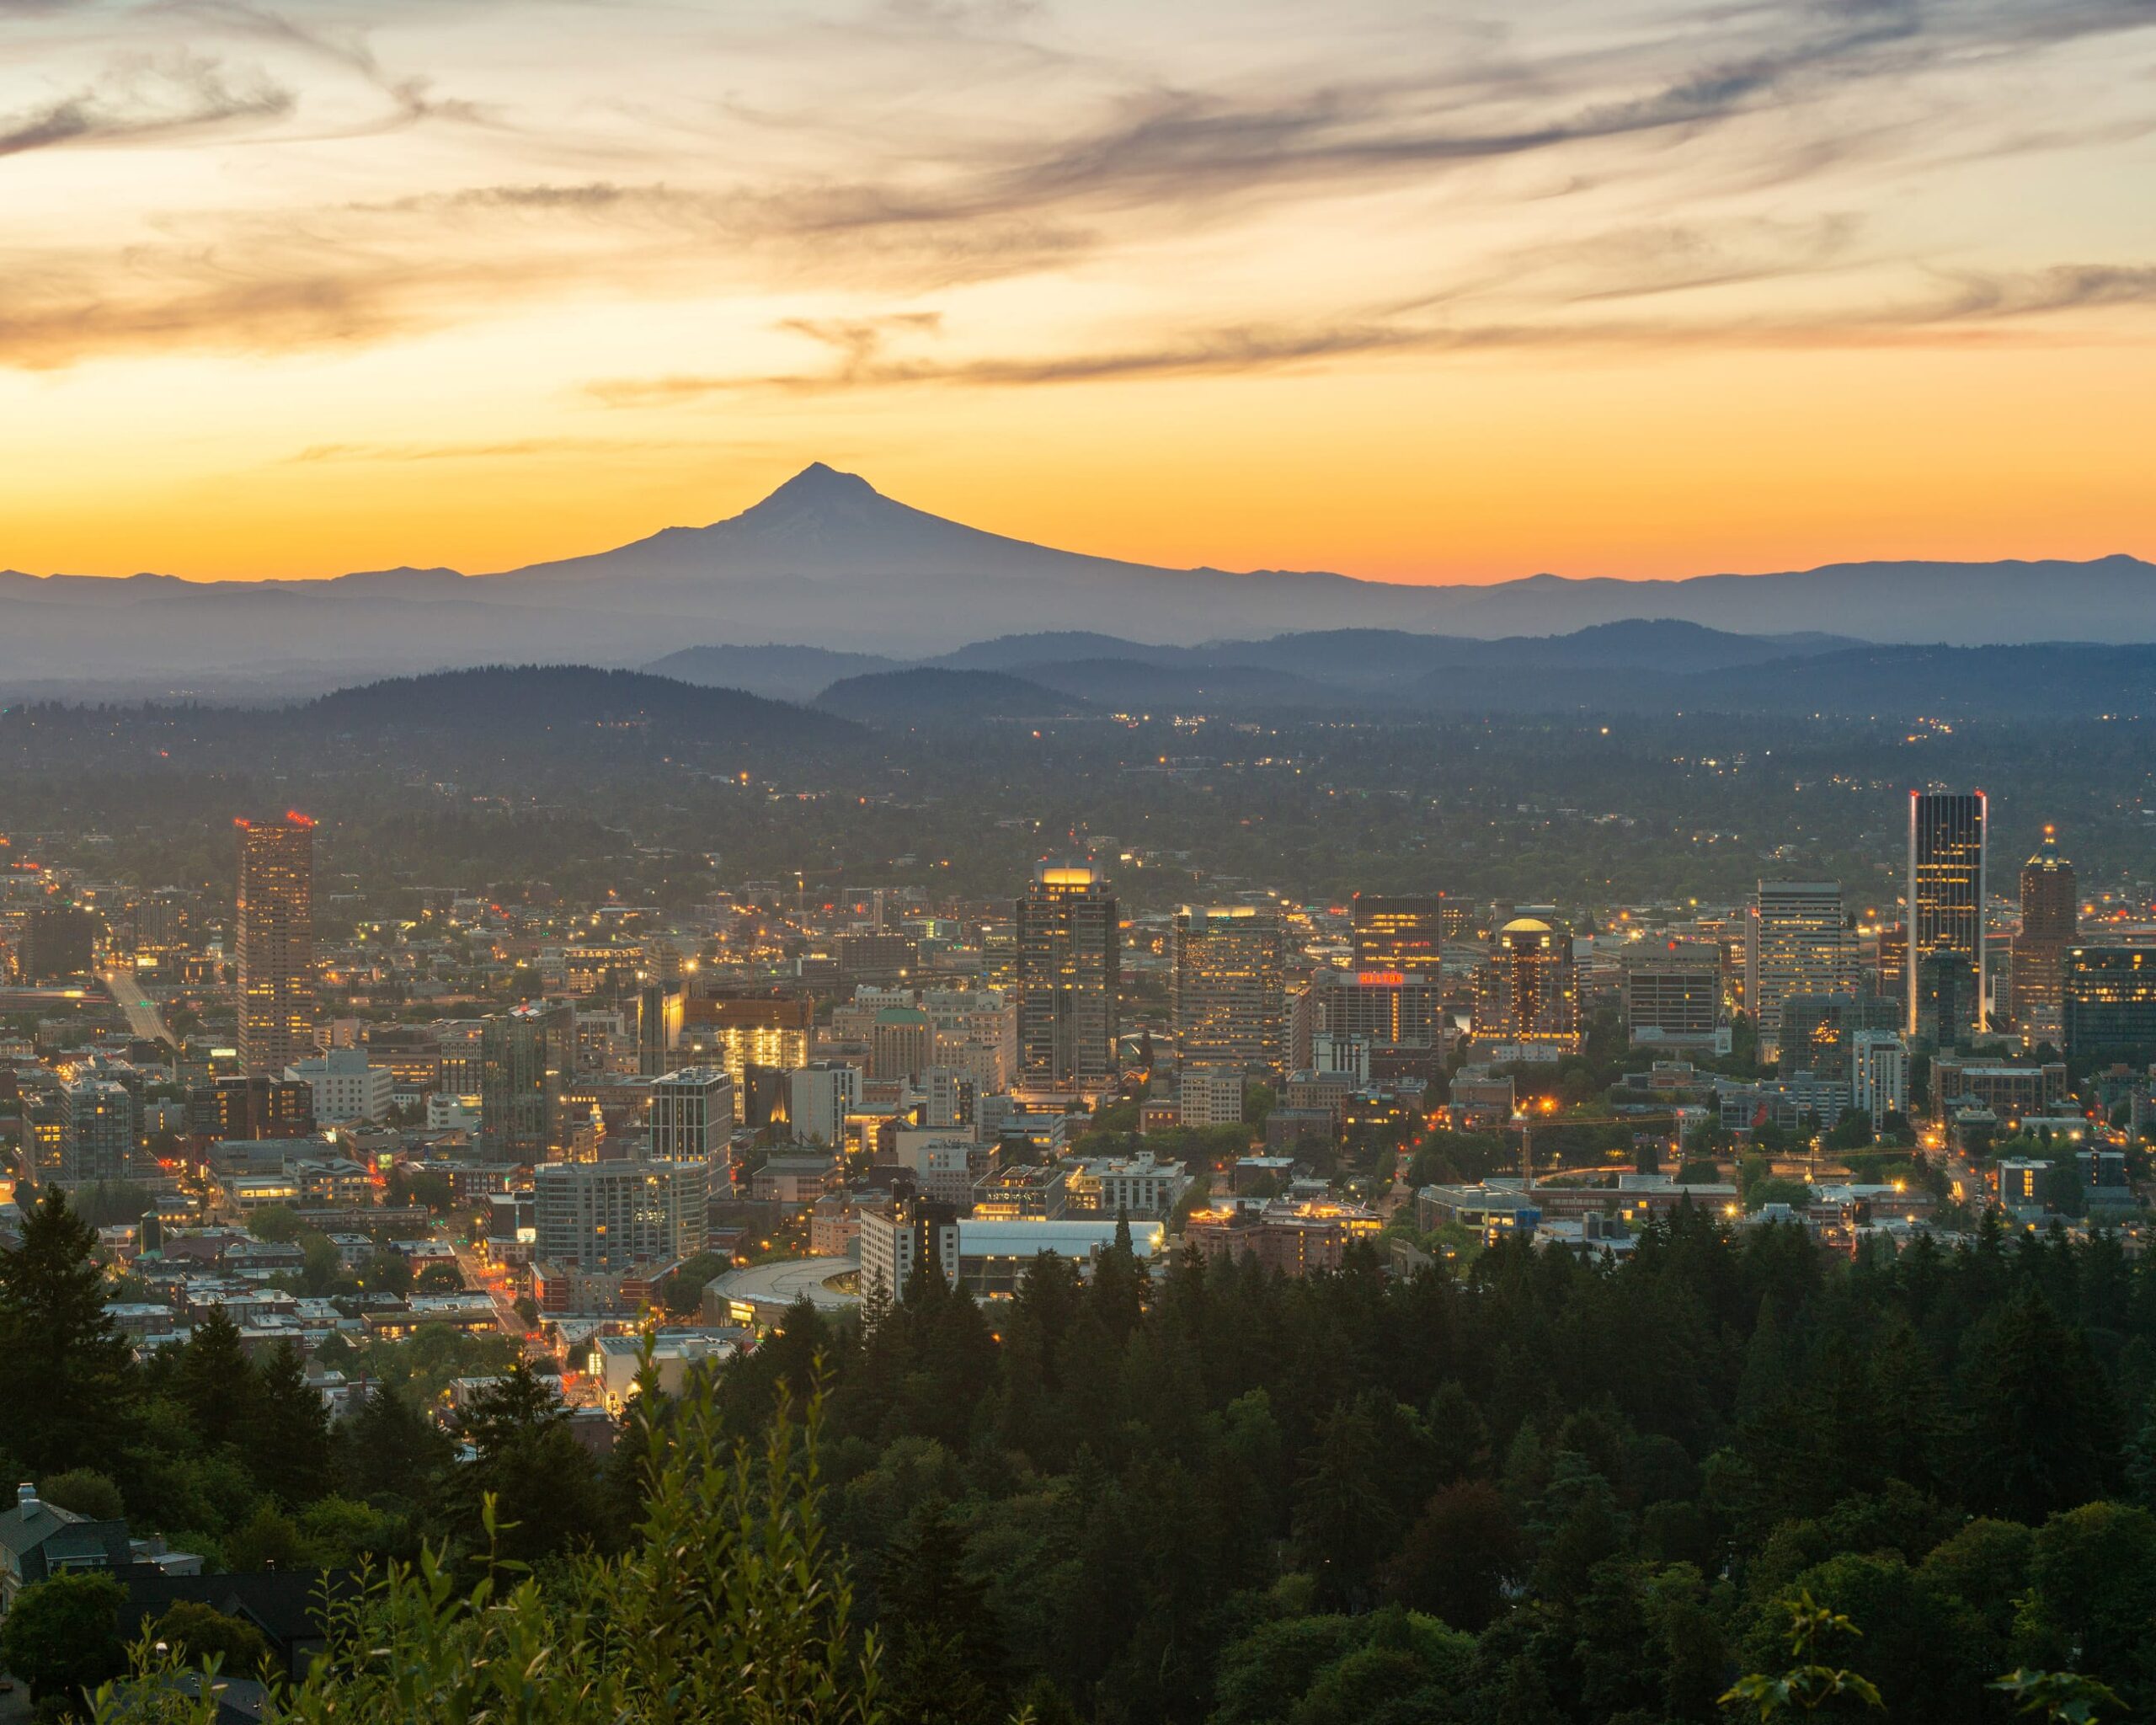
(478,1279)
(143,1019)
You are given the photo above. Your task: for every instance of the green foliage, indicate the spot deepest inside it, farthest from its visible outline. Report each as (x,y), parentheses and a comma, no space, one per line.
(67,1371)
(86,1492)
(62,1635)
(195,1631)
(1809,1686)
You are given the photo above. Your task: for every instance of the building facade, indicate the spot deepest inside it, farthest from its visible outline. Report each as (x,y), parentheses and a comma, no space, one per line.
(2051,926)
(1947,883)
(1527,992)
(1798,941)
(1229,985)
(1069,979)
(274,926)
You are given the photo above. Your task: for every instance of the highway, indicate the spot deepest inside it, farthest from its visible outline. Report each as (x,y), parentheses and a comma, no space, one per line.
(143,1019)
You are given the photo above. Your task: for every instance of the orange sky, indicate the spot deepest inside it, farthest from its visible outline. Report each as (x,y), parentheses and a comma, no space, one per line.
(1392,290)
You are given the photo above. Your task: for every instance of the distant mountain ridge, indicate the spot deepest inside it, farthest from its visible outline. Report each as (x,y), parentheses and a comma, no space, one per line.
(828,559)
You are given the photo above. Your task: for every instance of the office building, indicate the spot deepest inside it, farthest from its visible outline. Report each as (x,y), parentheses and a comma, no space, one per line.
(1396,1009)
(58,940)
(254,1107)
(737,1031)
(343,1086)
(1672,992)
(2051,926)
(1798,943)
(525,1053)
(1069,981)
(1879,1075)
(1211,1096)
(608,1216)
(1947,883)
(907,1235)
(823,1094)
(409,1052)
(901,1043)
(2010,1092)
(1405,931)
(1229,1001)
(275,942)
(99,1124)
(877,958)
(1526,993)
(950,1100)
(1816,1029)
(659,1011)
(2110,1003)
(692,1116)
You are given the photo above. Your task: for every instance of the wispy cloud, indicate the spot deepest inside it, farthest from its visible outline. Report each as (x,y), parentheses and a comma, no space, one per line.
(144,100)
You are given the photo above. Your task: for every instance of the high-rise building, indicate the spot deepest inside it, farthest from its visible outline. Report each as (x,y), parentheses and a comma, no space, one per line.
(98,1132)
(2050,924)
(659,1009)
(1069,982)
(344,1085)
(250,1106)
(1527,991)
(822,1095)
(1879,1075)
(1798,942)
(524,1055)
(1672,992)
(1394,1010)
(58,940)
(1946,889)
(1228,987)
(902,1043)
(275,942)
(736,1031)
(2109,1007)
(1406,931)
(692,1116)
(610,1216)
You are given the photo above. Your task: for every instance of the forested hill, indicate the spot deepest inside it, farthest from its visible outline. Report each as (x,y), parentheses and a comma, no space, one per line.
(1548,1492)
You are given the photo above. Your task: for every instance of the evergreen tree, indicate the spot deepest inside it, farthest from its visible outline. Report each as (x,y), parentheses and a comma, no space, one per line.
(214,1383)
(943,1652)
(388,1449)
(66,1369)
(287,1447)
(2042,1426)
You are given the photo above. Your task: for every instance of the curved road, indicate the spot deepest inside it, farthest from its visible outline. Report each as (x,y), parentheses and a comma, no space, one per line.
(143,1019)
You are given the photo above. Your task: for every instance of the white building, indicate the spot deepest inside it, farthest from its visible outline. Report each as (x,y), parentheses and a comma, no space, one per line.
(1212,1096)
(692,1115)
(1879,1075)
(896,1237)
(346,1087)
(611,1215)
(1136,1186)
(824,1093)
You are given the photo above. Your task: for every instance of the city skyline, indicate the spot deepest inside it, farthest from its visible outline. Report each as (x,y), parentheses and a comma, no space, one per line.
(1414,297)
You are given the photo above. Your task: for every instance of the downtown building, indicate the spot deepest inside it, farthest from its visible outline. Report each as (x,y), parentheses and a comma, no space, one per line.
(1228,987)
(1947,883)
(2051,928)
(1067,984)
(1798,943)
(275,942)
(1527,994)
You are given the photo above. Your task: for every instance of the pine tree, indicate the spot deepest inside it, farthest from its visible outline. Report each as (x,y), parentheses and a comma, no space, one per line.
(943,1651)
(388,1449)
(215,1384)
(65,1369)
(288,1446)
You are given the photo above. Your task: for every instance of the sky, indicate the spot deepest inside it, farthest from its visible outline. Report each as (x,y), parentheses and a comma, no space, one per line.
(1417,292)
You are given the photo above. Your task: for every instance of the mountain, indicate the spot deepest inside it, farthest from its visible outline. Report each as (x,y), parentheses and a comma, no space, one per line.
(784,672)
(924,695)
(828,559)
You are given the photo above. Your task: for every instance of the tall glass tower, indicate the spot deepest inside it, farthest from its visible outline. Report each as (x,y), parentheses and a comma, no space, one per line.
(1947,892)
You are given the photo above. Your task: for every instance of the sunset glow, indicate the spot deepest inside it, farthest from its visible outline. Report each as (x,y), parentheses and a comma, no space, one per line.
(1411,293)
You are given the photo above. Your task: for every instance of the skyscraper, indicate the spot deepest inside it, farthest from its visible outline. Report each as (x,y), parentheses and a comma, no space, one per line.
(2051,923)
(1946,887)
(1528,991)
(523,1056)
(1402,931)
(1070,976)
(1228,984)
(276,942)
(1798,943)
